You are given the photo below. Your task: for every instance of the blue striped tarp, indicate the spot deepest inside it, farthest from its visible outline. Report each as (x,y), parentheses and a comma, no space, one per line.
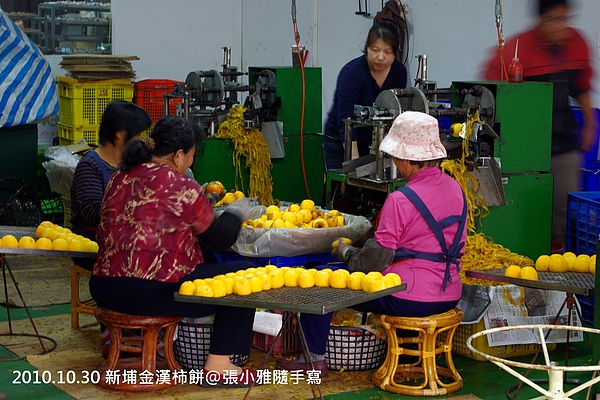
(27,88)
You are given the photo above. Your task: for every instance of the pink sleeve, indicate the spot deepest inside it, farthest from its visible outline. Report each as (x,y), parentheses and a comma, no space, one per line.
(391,223)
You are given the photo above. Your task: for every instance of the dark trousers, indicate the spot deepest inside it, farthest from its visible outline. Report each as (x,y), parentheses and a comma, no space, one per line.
(232,326)
(316,327)
(85,263)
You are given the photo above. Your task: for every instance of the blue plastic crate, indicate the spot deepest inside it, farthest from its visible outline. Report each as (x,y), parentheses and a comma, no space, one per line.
(307,261)
(583,222)
(594,154)
(589,178)
(586,304)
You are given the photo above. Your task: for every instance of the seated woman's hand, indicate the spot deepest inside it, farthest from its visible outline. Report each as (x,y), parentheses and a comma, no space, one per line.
(240,208)
(213,196)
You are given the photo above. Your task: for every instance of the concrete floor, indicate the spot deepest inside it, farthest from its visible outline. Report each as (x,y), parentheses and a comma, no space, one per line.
(45,287)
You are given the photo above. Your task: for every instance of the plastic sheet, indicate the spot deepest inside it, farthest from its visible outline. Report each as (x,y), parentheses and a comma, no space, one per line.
(281,242)
(60,169)
(28,91)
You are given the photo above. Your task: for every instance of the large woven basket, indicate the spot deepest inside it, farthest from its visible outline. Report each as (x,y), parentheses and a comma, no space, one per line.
(354,349)
(193,343)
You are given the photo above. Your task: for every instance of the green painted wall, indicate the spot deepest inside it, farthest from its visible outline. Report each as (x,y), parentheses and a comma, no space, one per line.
(214,161)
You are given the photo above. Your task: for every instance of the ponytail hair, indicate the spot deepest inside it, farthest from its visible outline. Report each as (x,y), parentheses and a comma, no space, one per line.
(385,31)
(170,134)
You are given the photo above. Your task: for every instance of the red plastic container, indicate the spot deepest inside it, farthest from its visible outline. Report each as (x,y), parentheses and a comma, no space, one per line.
(148,94)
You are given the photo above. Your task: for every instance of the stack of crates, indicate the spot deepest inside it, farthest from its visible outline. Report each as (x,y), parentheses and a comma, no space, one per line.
(583,222)
(149,94)
(589,172)
(583,228)
(82,103)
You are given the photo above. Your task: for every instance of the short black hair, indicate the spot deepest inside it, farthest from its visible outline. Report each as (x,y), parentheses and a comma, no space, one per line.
(545,5)
(122,115)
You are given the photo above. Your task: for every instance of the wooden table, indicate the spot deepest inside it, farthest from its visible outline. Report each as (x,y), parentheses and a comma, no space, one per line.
(19,232)
(315,300)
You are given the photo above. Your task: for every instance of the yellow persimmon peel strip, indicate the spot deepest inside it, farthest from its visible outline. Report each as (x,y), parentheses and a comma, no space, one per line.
(250,144)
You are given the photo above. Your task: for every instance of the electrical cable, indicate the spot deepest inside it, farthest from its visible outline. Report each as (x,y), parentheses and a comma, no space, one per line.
(301,63)
(408,37)
(499,31)
(406,34)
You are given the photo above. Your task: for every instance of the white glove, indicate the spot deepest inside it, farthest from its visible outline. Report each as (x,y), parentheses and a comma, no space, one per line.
(240,208)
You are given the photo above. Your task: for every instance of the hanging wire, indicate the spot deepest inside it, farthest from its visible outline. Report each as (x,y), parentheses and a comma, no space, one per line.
(301,60)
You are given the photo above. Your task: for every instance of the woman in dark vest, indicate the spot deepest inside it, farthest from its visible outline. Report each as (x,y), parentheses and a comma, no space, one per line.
(121,122)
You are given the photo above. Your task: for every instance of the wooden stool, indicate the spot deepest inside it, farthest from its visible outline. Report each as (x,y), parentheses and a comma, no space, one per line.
(79,306)
(421,378)
(146,365)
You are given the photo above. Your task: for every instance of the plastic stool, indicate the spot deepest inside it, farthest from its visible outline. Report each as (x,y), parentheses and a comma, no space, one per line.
(421,378)
(145,363)
(79,306)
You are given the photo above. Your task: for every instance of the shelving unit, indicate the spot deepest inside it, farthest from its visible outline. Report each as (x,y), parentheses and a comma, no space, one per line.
(74,27)
(28,24)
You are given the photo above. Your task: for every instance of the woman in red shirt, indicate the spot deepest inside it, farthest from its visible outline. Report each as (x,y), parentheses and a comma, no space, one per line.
(153,218)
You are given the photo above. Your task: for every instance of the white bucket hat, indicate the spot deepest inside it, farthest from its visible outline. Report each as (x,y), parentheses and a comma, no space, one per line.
(414,136)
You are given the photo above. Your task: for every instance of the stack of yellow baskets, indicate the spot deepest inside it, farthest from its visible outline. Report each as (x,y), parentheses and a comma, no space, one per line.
(82,103)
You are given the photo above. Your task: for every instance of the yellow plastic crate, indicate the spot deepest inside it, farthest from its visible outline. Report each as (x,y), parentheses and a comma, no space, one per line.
(66,203)
(459,344)
(81,104)
(69,134)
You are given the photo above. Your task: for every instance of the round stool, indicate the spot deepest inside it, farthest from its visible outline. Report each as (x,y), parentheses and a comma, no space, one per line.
(422,377)
(142,348)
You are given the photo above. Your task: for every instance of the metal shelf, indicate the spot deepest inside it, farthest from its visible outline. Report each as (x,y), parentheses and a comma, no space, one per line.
(83,21)
(55,37)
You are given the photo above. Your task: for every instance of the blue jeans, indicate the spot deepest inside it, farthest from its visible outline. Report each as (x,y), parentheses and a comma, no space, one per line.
(333,152)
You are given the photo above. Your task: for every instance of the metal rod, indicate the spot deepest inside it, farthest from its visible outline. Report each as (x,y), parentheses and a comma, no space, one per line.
(348,140)
(271,347)
(308,358)
(2,260)
(7,266)
(379,160)
(226,58)
(424,68)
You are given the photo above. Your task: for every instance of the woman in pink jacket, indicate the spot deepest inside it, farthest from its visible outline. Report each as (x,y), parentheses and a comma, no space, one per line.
(420,235)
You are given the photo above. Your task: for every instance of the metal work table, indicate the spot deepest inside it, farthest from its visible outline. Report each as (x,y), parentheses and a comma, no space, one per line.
(570,282)
(19,232)
(315,300)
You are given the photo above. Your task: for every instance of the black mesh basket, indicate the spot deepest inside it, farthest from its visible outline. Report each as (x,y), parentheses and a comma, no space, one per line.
(8,188)
(193,343)
(29,204)
(353,348)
